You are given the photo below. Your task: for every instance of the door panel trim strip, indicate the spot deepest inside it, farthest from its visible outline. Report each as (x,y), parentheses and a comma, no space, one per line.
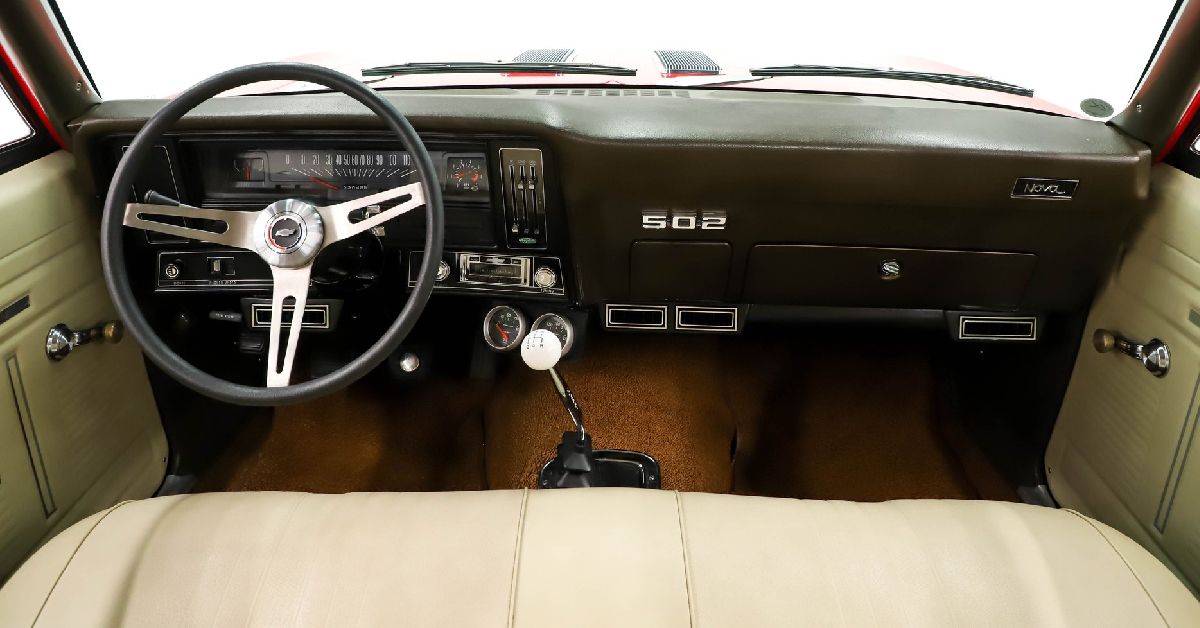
(32,446)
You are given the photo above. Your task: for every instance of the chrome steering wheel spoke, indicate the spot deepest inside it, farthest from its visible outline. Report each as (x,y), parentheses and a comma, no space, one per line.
(238,227)
(287,234)
(290,289)
(337,217)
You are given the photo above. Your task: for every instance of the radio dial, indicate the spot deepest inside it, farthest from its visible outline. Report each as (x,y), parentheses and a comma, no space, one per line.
(544,277)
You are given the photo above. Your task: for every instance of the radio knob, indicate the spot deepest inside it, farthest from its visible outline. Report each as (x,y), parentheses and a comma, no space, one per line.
(544,277)
(443,270)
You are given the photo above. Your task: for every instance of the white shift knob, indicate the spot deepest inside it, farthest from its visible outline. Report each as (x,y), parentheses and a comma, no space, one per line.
(541,350)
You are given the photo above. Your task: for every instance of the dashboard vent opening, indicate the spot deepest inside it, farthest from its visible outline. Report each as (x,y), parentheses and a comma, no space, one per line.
(695,318)
(544,55)
(523,195)
(997,328)
(687,62)
(635,316)
(644,93)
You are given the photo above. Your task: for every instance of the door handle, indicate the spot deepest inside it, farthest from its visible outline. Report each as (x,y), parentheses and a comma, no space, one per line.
(1154,355)
(61,340)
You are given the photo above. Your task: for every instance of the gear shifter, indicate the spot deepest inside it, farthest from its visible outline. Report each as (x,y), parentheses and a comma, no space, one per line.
(541,352)
(576,464)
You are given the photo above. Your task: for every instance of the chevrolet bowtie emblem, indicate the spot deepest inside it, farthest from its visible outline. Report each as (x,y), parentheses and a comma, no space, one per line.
(285,232)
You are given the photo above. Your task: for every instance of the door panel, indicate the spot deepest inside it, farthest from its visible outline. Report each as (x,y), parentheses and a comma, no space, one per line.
(78,435)
(1123,449)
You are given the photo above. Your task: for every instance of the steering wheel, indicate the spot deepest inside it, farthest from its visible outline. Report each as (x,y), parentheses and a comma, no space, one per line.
(288,234)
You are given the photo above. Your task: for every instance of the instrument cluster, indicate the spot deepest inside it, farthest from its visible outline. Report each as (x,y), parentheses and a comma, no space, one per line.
(332,173)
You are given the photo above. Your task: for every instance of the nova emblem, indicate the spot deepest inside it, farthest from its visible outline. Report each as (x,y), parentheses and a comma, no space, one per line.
(1029,187)
(683,220)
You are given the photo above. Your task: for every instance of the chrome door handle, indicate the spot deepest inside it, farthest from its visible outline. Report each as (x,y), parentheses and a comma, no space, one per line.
(61,340)
(1154,355)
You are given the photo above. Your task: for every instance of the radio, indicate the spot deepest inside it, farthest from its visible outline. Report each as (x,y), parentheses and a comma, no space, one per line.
(494,272)
(502,270)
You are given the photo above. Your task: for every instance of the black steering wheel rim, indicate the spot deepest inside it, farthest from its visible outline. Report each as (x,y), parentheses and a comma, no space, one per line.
(112,247)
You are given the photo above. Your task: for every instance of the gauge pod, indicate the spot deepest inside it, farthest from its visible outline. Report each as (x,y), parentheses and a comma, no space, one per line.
(504,328)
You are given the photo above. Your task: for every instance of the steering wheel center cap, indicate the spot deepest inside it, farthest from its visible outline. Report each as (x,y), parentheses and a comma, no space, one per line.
(288,233)
(285,233)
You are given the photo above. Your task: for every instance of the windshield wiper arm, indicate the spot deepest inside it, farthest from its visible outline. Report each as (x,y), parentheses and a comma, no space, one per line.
(497,68)
(900,75)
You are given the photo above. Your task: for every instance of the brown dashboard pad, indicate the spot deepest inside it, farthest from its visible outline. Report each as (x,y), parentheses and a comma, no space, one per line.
(858,425)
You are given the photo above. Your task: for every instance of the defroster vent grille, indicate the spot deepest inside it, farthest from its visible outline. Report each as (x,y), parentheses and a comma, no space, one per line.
(687,62)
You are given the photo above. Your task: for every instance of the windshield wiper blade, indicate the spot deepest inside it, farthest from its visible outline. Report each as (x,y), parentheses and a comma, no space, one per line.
(900,75)
(497,68)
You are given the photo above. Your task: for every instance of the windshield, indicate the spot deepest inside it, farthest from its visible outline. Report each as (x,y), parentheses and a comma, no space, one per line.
(1078,57)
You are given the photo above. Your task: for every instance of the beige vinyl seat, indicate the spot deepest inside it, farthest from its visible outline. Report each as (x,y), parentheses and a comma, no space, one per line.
(593,557)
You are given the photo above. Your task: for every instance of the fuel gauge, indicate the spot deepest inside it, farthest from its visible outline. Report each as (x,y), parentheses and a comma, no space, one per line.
(248,168)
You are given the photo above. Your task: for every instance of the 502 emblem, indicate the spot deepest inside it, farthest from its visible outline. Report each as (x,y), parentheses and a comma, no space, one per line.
(683,220)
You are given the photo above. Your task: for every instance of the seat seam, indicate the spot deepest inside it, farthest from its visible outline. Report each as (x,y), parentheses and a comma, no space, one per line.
(1125,561)
(687,572)
(63,571)
(512,587)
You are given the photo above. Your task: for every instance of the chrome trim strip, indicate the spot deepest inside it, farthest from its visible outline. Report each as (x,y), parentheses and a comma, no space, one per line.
(1030,320)
(609,308)
(680,310)
(257,322)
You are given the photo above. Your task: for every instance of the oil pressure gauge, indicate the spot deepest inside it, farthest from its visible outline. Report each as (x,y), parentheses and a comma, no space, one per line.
(504,328)
(559,326)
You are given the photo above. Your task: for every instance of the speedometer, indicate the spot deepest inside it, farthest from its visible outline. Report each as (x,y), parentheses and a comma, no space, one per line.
(342,169)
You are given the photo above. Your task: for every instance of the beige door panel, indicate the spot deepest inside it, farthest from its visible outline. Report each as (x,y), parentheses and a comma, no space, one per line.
(78,435)
(1122,450)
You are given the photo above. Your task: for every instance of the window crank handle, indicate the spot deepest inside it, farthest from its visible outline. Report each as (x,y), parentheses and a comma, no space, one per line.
(1154,355)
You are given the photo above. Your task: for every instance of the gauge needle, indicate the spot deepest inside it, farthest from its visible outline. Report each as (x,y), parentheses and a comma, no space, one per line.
(503,334)
(323,182)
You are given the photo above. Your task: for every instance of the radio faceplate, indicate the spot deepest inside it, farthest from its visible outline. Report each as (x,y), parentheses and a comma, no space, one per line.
(491,270)
(465,271)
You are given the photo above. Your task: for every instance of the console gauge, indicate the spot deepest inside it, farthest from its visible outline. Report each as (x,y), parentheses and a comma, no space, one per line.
(504,328)
(559,326)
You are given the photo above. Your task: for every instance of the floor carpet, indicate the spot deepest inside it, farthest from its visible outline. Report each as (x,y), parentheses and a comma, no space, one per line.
(748,415)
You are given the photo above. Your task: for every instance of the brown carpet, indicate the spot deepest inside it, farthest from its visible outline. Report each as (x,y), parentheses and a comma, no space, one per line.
(850,422)
(369,437)
(657,394)
(858,423)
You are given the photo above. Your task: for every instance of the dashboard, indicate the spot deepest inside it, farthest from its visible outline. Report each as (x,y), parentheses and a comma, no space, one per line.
(666,211)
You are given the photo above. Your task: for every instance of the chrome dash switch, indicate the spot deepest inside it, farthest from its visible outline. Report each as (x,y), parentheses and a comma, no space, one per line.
(890,269)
